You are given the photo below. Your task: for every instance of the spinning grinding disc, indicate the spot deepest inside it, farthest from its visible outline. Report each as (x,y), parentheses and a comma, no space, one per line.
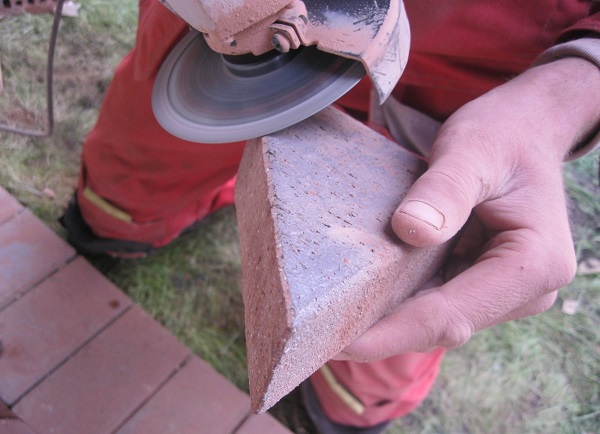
(203,96)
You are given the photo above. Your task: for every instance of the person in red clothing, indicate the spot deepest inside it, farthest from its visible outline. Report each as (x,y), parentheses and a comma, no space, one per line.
(507,127)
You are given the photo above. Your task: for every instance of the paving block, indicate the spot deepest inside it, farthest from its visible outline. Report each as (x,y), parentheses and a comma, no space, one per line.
(9,206)
(10,423)
(197,399)
(262,424)
(29,251)
(14,426)
(320,262)
(51,322)
(103,384)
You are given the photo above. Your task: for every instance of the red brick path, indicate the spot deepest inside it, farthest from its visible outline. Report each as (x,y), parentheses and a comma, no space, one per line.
(79,357)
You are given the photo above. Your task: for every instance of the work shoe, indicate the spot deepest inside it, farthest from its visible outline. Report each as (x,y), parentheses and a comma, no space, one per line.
(81,236)
(326,425)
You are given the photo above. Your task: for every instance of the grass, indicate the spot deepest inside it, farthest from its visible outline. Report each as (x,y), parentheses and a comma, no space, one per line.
(537,375)
(88,50)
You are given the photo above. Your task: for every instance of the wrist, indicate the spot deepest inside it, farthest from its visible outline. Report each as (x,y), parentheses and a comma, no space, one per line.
(573,71)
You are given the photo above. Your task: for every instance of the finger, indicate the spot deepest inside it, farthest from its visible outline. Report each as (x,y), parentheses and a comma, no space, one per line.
(492,291)
(359,352)
(534,307)
(440,201)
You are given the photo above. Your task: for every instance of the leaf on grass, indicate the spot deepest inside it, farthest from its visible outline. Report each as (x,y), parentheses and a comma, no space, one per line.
(70,9)
(570,307)
(49,193)
(589,266)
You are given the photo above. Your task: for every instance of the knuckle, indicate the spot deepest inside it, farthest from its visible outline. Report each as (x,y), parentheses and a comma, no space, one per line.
(568,267)
(555,266)
(447,325)
(544,303)
(535,307)
(456,334)
(477,154)
(459,181)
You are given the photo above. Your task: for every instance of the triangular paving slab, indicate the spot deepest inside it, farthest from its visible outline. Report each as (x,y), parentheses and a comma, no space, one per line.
(320,262)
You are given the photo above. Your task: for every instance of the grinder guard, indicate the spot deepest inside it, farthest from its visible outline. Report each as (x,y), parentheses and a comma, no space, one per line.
(376,33)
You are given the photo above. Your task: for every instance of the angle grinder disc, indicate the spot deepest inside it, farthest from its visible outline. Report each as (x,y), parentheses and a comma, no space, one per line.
(206,97)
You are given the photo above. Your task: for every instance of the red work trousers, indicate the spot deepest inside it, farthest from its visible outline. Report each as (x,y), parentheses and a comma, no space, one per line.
(140,183)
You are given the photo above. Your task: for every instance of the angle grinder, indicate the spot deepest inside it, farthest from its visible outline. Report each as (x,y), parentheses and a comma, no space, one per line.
(250,68)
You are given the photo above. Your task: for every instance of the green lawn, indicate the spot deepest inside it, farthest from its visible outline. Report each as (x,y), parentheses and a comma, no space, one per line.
(538,375)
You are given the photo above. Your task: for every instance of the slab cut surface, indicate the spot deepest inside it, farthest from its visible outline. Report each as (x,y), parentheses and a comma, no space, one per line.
(320,262)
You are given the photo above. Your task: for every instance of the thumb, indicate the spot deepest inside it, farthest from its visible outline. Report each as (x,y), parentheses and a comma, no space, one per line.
(440,201)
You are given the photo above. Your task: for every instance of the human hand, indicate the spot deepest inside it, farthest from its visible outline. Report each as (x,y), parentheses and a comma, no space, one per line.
(500,157)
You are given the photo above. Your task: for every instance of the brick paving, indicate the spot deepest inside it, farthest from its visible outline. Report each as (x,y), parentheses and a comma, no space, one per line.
(77,356)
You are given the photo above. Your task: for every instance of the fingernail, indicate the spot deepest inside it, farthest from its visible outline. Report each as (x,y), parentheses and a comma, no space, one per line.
(424,212)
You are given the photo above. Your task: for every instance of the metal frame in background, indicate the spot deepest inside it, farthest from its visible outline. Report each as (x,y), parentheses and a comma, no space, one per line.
(18,7)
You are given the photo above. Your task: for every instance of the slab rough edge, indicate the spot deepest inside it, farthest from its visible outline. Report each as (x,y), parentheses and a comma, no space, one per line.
(265,293)
(314,335)
(324,338)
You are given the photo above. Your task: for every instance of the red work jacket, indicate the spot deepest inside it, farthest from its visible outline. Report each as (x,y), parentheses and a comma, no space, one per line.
(460,49)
